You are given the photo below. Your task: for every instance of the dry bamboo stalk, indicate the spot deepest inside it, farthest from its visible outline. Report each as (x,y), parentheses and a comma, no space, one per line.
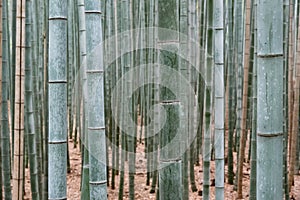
(18,181)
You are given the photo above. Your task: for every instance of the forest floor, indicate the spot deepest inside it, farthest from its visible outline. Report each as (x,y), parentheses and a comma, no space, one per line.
(141,189)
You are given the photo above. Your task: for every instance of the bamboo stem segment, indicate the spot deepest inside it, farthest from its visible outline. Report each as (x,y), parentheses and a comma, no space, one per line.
(269,99)
(57,105)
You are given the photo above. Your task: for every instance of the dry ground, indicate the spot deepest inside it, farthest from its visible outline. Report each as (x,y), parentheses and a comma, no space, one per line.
(141,190)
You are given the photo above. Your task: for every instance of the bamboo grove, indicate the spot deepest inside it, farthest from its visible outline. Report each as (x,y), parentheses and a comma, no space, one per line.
(187,84)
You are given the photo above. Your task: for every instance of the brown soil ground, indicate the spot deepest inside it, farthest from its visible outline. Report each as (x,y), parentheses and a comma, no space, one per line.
(141,189)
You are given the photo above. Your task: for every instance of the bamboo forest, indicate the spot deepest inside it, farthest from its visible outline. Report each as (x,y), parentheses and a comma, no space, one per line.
(149,99)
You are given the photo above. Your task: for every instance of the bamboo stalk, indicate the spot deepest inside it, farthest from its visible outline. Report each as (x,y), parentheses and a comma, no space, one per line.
(231,95)
(208,101)
(184,70)
(18,174)
(244,131)
(286,8)
(29,113)
(1,181)
(219,96)
(57,103)
(85,193)
(295,119)
(269,99)
(95,95)
(5,133)
(253,162)
(170,161)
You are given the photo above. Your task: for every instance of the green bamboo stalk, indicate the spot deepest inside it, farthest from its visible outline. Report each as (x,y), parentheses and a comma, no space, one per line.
(41,74)
(170,162)
(74,60)
(269,99)
(170,166)
(231,95)
(45,106)
(208,101)
(253,163)
(111,24)
(5,134)
(38,88)
(192,35)
(200,101)
(249,98)
(184,70)
(71,69)
(1,180)
(196,151)
(286,10)
(29,93)
(151,12)
(108,82)
(85,193)
(239,56)
(57,91)
(155,93)
(37,100)
(116,48)
(142,60)
(95,107)
(122,167)
(114,129)
(118,14)
(77,58)
(200,92)
(219,96)
(292,36)
(126,62)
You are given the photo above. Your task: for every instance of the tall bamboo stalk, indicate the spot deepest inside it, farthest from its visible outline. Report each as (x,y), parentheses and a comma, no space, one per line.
(170,163)
(292,36)
(286,10)
(193,111)
(219,96)
(154,92)
(18,173)
(5,133)
(76,57)
(201,89)
(1,180)
(29,113)
(208,100)
(295,122)
(37,85)
(238,60)
(45,107)
(269,99)
(126,64)
(149,23)
(12,64)
(85,193)
(184,70)
(95,107)
(244,131)
(253,157)
(231,93)
(114,133)
(121,108)
(57,105)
